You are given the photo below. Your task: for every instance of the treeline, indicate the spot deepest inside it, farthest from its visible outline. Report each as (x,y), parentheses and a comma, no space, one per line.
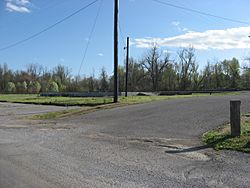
(155,71)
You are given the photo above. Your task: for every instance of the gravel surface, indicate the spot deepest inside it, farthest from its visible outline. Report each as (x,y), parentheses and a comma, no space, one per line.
(148,145)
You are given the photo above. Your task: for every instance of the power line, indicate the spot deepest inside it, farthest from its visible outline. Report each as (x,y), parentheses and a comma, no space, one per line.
(202,13)
(47,28)
(121,33)
(90,36)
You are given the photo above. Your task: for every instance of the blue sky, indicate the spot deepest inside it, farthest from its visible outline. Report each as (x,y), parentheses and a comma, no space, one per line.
(145,21)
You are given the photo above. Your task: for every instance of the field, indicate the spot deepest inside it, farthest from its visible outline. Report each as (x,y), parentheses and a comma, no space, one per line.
(90,101)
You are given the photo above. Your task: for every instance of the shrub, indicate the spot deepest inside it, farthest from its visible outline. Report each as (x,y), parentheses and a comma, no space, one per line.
(21,87)
(10,87)
(53,87)
(34,87)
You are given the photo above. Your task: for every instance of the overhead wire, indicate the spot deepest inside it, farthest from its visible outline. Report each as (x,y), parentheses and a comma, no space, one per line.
(38,12)
(121,34)
(201,13)
(47,28)
(124,47)
(90,36)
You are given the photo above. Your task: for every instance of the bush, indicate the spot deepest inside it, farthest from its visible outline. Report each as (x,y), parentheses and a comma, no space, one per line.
(21,87)
(53,87)
(10,87)
(34,87)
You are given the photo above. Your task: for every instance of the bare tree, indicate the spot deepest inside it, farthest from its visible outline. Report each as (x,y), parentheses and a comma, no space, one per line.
(155,65)
(103,79)
(246,66)
(34,71)
(185,67)
(135,76)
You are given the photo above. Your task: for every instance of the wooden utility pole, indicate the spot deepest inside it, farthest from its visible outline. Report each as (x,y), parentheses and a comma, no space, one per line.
(116,8)
(127,59)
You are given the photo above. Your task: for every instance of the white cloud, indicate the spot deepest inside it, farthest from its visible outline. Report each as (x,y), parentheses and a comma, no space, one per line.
(17,6)
(177,24)
(22,2)
(232,38)
(100,54)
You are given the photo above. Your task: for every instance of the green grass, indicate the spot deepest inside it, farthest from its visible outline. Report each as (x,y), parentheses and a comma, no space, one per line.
(71,112)
(63,101)
(90,101)
(220,138)
(53,115)
(85,101)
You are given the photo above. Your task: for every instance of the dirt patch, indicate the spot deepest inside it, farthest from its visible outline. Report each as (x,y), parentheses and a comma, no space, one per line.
(172,146)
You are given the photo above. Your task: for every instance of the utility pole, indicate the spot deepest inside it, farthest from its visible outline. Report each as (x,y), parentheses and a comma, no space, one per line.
(116,8)
(127,59)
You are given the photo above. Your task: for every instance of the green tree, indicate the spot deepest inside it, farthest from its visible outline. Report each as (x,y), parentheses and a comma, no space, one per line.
(103,80)
(34,87)
(91,84)
(6,75)
(169,79)
(61,75)
(232,72)
(75,85)
(136,76)
(53,87)
(246,79)
(45,79)
(207,74)
(218,76)
(121,78)
(21,87)
(10,87)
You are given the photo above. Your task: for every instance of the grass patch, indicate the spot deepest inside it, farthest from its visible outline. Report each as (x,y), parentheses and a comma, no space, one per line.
(227,93)
(53,115)
(220,138)
(83,101)
(91,101)
(59,101)
(68,113)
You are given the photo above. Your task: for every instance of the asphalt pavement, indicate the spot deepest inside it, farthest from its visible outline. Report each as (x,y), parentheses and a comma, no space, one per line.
(148,145)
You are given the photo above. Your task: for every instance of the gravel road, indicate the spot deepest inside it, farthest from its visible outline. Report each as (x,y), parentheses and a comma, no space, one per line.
(149,145)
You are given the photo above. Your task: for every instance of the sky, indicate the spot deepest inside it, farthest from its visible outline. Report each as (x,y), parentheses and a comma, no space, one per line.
(147,22)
